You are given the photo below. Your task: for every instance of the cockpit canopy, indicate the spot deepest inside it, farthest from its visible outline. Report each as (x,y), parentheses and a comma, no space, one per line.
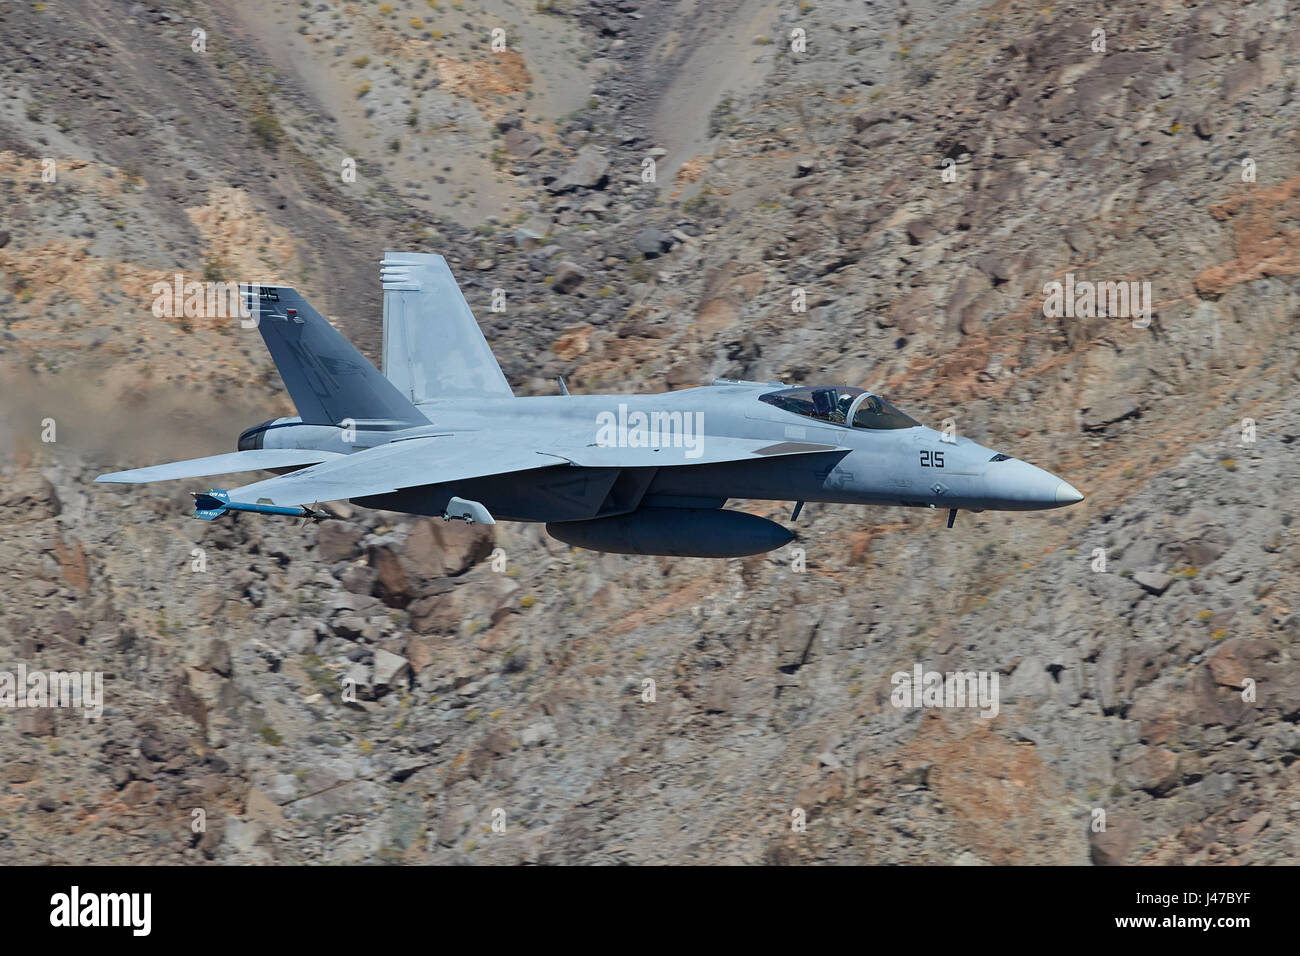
(839,405)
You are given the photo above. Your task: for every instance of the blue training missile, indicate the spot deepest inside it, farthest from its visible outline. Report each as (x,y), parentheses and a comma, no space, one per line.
(215,503)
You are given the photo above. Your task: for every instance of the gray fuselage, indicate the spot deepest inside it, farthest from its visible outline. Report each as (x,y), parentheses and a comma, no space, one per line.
(913,466)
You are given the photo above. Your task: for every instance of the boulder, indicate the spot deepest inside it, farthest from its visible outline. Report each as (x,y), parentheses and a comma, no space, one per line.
(1153,581)
(652,242)
(1112,846)
(389,669)
(568,276)
(337,540)
(589,170)
(438,548)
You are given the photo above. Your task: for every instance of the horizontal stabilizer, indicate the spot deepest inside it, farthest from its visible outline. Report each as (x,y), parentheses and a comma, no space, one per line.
(261,459)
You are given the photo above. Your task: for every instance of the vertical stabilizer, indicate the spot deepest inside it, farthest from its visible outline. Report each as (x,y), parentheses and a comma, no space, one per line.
(327,378)
(432,344)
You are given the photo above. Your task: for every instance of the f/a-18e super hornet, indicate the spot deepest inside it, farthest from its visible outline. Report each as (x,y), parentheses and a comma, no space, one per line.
(439,432)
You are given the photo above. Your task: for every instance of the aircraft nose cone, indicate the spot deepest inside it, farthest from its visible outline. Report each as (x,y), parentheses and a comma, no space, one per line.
(1067,494)
(1016,485)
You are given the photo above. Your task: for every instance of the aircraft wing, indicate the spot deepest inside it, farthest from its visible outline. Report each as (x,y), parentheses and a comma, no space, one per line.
(260,459)
(433,459)
(407,463)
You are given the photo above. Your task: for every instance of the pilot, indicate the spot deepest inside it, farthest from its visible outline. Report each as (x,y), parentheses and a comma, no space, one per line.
(832,407)
(845,403)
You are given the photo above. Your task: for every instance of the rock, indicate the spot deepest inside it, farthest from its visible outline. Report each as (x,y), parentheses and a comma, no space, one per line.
(434,614)
(685,373)
(154,744)
(538,734)
(864,121)
(916,773)
(357,675)
(66,627)
(568,276)
(392,585)
(260,808)
(19,771)
(1153,581)
(651,242)
(405,768)
(522,145)
(1252,827)
(722,695)
(437,548)
(337,540)
(359,580)
(572,342)
(1152,769)
(248,839)
(1202,552)
(428,741)
(1000,268)
(528,238)
(1108,411)
(28,496)
(39,722)
(486,601)
(340,509)
(453,822)
(589,170)
(346,601)
(137,793)
(300,640)
(1226,668)
(389,669)
(218,658)
(283,788)
(1112,846)
(349,626)
(420,652)
(919,230)
(213,833)
(1108,666)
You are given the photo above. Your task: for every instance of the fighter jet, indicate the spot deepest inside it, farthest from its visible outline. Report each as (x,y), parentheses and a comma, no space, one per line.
(440,433)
